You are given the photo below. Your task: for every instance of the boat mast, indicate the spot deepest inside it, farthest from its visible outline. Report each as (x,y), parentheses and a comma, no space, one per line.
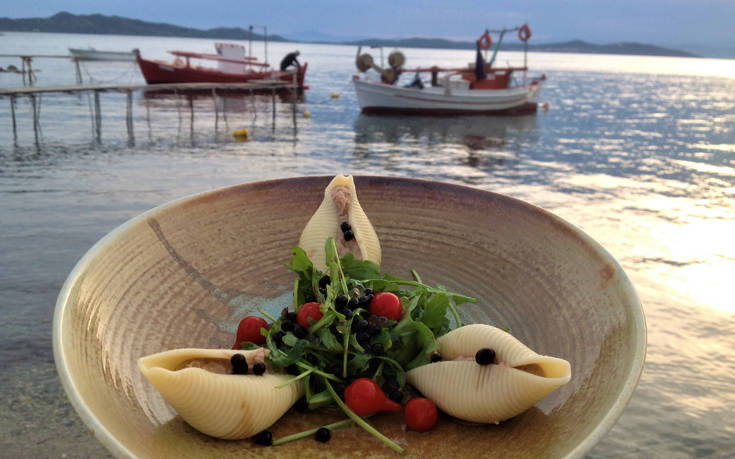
(250,41)
(265,40)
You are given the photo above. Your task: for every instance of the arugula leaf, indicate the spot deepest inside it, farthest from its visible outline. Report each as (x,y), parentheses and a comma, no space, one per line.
(359,269)
(328,340)
(427,344)
(435,311)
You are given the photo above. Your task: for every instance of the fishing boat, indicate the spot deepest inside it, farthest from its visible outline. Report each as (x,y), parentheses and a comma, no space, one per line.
(91,54)
(233,66)
(479,88)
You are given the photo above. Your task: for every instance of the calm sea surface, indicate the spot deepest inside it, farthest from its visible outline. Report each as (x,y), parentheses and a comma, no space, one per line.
(637,151)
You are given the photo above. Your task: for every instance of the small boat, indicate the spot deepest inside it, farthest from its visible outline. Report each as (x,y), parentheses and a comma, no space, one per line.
(91,54)
(233,66)
(476,89)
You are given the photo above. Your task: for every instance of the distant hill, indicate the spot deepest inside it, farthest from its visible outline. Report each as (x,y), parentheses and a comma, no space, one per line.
(64,22)
(574,46)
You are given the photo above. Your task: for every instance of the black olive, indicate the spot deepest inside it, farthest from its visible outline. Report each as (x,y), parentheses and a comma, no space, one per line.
(485,356)
(396,396)
(373,365)
(324,281)
(264,438)
(349,235)
(390,386)
(292,316)
(435,357)
(284,311)
(259,368)
(300,332)
(287,325)
(340,389)
(345,226)
(363,325)
(309,299)
(323,435)
(333,329)
(347,313)
(341,301)
(377,349)
(352,304)
(363,337)
(374,329)
(278,337)
(239,364)
(364,301)
(301,405)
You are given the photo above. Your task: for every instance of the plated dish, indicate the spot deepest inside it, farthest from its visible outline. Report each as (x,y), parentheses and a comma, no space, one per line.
(184,274)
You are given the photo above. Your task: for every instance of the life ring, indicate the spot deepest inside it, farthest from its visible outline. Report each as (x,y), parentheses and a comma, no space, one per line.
(524,33)
(485,41)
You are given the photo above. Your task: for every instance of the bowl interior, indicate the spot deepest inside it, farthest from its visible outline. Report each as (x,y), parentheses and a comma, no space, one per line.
(183,274)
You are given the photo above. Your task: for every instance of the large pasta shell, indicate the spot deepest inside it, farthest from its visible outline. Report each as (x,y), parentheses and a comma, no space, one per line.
(220,405)
(487,393)
(326,222)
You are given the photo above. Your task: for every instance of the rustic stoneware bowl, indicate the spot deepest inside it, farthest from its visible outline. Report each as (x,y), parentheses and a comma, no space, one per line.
(183,274)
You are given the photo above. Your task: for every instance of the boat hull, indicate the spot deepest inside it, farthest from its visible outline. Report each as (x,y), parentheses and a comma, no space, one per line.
(382,98)
(160,72)
(96,55)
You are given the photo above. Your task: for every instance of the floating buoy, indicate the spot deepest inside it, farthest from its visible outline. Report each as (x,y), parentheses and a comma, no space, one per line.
(335,95)
(241,134)
(307,114)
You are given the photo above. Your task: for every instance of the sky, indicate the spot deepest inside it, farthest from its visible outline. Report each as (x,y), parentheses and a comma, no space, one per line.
(660,22)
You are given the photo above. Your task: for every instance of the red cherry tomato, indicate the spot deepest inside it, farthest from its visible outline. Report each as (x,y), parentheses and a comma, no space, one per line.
(388,305)
(364,397)
(306,311)
(249,330)
(420,414)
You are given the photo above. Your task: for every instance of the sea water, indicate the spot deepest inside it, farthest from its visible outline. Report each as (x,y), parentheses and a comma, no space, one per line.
(639,152)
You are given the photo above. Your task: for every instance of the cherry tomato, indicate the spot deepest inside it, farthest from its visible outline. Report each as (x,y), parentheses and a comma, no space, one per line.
(249,330)
(420,414)
(364,396)
(306,311)
(388,305)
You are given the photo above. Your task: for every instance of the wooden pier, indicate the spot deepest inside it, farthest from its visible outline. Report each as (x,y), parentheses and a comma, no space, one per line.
(271,87)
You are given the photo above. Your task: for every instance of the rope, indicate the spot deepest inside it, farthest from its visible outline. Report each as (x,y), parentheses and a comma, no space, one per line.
(339,94)
(129,73)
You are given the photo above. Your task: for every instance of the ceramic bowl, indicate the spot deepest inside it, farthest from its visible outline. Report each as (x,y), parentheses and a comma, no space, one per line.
(183,274)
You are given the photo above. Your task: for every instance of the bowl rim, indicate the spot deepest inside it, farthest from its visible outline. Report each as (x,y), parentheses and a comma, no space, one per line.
(114,446)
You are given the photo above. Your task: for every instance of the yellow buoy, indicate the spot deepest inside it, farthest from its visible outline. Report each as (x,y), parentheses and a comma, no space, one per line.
(307,114)
(335,95)
(240,134)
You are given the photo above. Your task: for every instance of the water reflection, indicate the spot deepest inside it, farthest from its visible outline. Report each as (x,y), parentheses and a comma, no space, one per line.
(479,141)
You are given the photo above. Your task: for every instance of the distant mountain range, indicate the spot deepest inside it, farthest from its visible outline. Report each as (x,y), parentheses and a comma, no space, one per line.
(64,22)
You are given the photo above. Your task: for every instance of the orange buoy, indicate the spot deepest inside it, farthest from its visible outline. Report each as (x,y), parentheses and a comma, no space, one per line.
(485,41)
(524,33)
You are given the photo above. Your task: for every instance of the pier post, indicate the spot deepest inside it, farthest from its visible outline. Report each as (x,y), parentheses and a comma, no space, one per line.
(79,71)
(293,102)
(273,106)
(216,111)
(97,117)
(34,109)
(191,117)
(12,115)
(148,120)
(129,117)
(23,70)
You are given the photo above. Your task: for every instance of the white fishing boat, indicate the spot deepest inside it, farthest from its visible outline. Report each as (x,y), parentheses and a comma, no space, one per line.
(91,54)
(476,89)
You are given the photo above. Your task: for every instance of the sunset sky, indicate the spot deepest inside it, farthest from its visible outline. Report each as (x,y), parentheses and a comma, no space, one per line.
(661,22)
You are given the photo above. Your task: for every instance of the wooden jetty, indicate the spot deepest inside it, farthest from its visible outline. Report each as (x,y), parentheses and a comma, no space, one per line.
(260,87)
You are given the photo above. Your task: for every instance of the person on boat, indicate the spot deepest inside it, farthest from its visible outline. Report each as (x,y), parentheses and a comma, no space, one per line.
(289,60)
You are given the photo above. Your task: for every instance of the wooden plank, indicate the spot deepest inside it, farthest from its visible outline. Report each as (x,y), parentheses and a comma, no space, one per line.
(260,84)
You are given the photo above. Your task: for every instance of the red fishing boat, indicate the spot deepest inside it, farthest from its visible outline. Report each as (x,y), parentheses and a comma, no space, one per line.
(233,66)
